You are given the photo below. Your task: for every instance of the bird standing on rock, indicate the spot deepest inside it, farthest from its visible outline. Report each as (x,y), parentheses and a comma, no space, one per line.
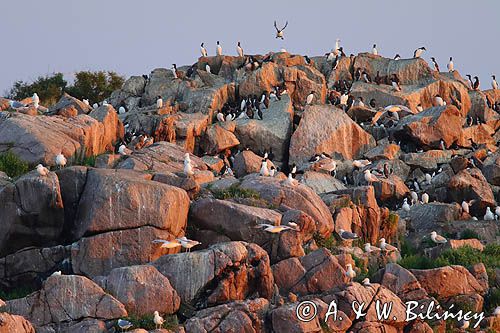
(218,50)
(239,50)
(188,168)
(290,181)
(42,171)
(387,247)
(494,83)
(406,207)
(279,32)
(436,66)
(167,244)
(488,216)
(369,177)
(61,160)
(374,49)
(438,100)
(350,273)
(310,98)
(124,324)
(203,50)
(264,170)
(475,85)
(158,320)
(159,102)
(418,52)
(451,66)
(346,235)
(438,239)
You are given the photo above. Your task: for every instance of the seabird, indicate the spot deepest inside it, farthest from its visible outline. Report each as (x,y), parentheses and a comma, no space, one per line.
(395,85)
(475,85)
(496,312)
(360,163)
(450,66)
(218,50)
(489,215)
(42,171)
(16,105)
(61,160)
(465,206)
(272,171)
(418,52)
(279,32)
(366,77)
(158,320)
(220,117)
(290,181)
(397,57)
(428,178)
(121,110)
(420,108)
(167,244)
(174,71)
(326,163)
(207,68)
(274,229)
(350,273)
(387,247)
(239,50)
(56,273)
(438,239)
(124,324)
(346,235)
(86,102)
(122,150)
(406,207)
(159,102)
(425,198)
(370,248)
(188,168)
(374,49)
(95,106)
(414,197)
(497,211)
(203,50)
(438,100)
(366,282)
(436,66)
(264,170)
(494,83)
(369,177)
(188,243)
(310,98)
(373,103)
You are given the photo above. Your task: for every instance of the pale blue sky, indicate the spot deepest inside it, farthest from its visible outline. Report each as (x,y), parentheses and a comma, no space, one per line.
(134,37)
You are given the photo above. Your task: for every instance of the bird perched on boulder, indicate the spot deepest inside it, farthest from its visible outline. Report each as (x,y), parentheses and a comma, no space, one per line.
(310,98)
(387,247)
(350,273)
(121,110)
(188,243)
(494,83)
(436,66)
(369,177)
(188,168)
(488,216)
(279,32)
(374,49)
(450,66)
(406,207)
(418,52)
(438,101)
(42,171)
(239,50)
(475,85)
(167,244)
(203,50)
(290,181)
(264,170)
(124,324)
(159,102)
(274,229)
(359,164)
(346,235)
(218,49)
(61,160)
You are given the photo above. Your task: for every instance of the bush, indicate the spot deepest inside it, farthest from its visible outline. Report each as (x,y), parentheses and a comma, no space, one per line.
(95,86)
(469,234)
(48,88)
(234,191)
(12,165)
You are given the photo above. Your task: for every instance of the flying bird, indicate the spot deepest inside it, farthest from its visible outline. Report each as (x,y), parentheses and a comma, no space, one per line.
(167,244)
(279,32)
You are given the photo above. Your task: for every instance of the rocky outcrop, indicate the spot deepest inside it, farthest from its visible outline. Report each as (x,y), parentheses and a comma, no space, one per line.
(82,299)
(142,290)
(14,324)
(225,272)
(69,105)
(39,139)
(328,129)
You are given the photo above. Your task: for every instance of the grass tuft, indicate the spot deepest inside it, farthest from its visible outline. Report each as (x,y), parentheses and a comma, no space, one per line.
(12,165)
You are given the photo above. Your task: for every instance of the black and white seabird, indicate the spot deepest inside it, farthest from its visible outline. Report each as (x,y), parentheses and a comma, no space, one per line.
(310,98)
(373,103)
(469,82)
(174,71)
(436,66)
(279,32)
(203,50)
(397,57)
(438,100)
(239,49)
(395,84)
(494,83)
(366,77)
(418,52)
(451,66)
(475,85)
(374,49)
(218,50)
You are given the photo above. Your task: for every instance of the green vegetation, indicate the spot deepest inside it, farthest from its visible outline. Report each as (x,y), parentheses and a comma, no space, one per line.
(16,293)
(329,243)
(464,256)
(146,322)
(94,86)
(492,299)
(469,234)
(234,191)
(12,165)
(49,88)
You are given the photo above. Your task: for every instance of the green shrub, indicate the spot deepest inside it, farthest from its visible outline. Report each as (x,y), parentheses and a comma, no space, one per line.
(16,293)
(469,234)
(12,165)
(492,300)
(49,88)
(234,191)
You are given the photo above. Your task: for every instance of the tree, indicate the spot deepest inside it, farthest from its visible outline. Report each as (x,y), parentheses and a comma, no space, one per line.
(95,86)
(49,88)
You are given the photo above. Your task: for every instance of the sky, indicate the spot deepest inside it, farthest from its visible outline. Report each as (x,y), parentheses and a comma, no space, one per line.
(135,37)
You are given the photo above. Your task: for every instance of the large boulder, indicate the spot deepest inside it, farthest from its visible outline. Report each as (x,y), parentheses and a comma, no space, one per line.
(84,135)
(448,281)
(318,272)
(240,316)
(470,184)
(69,105)
(32,212)
(120,200)
(222,273)
(218,139)
(431,126)
(298,197)
(325,128)
(143,290)
(67,298)
(321,182)
(272,133)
